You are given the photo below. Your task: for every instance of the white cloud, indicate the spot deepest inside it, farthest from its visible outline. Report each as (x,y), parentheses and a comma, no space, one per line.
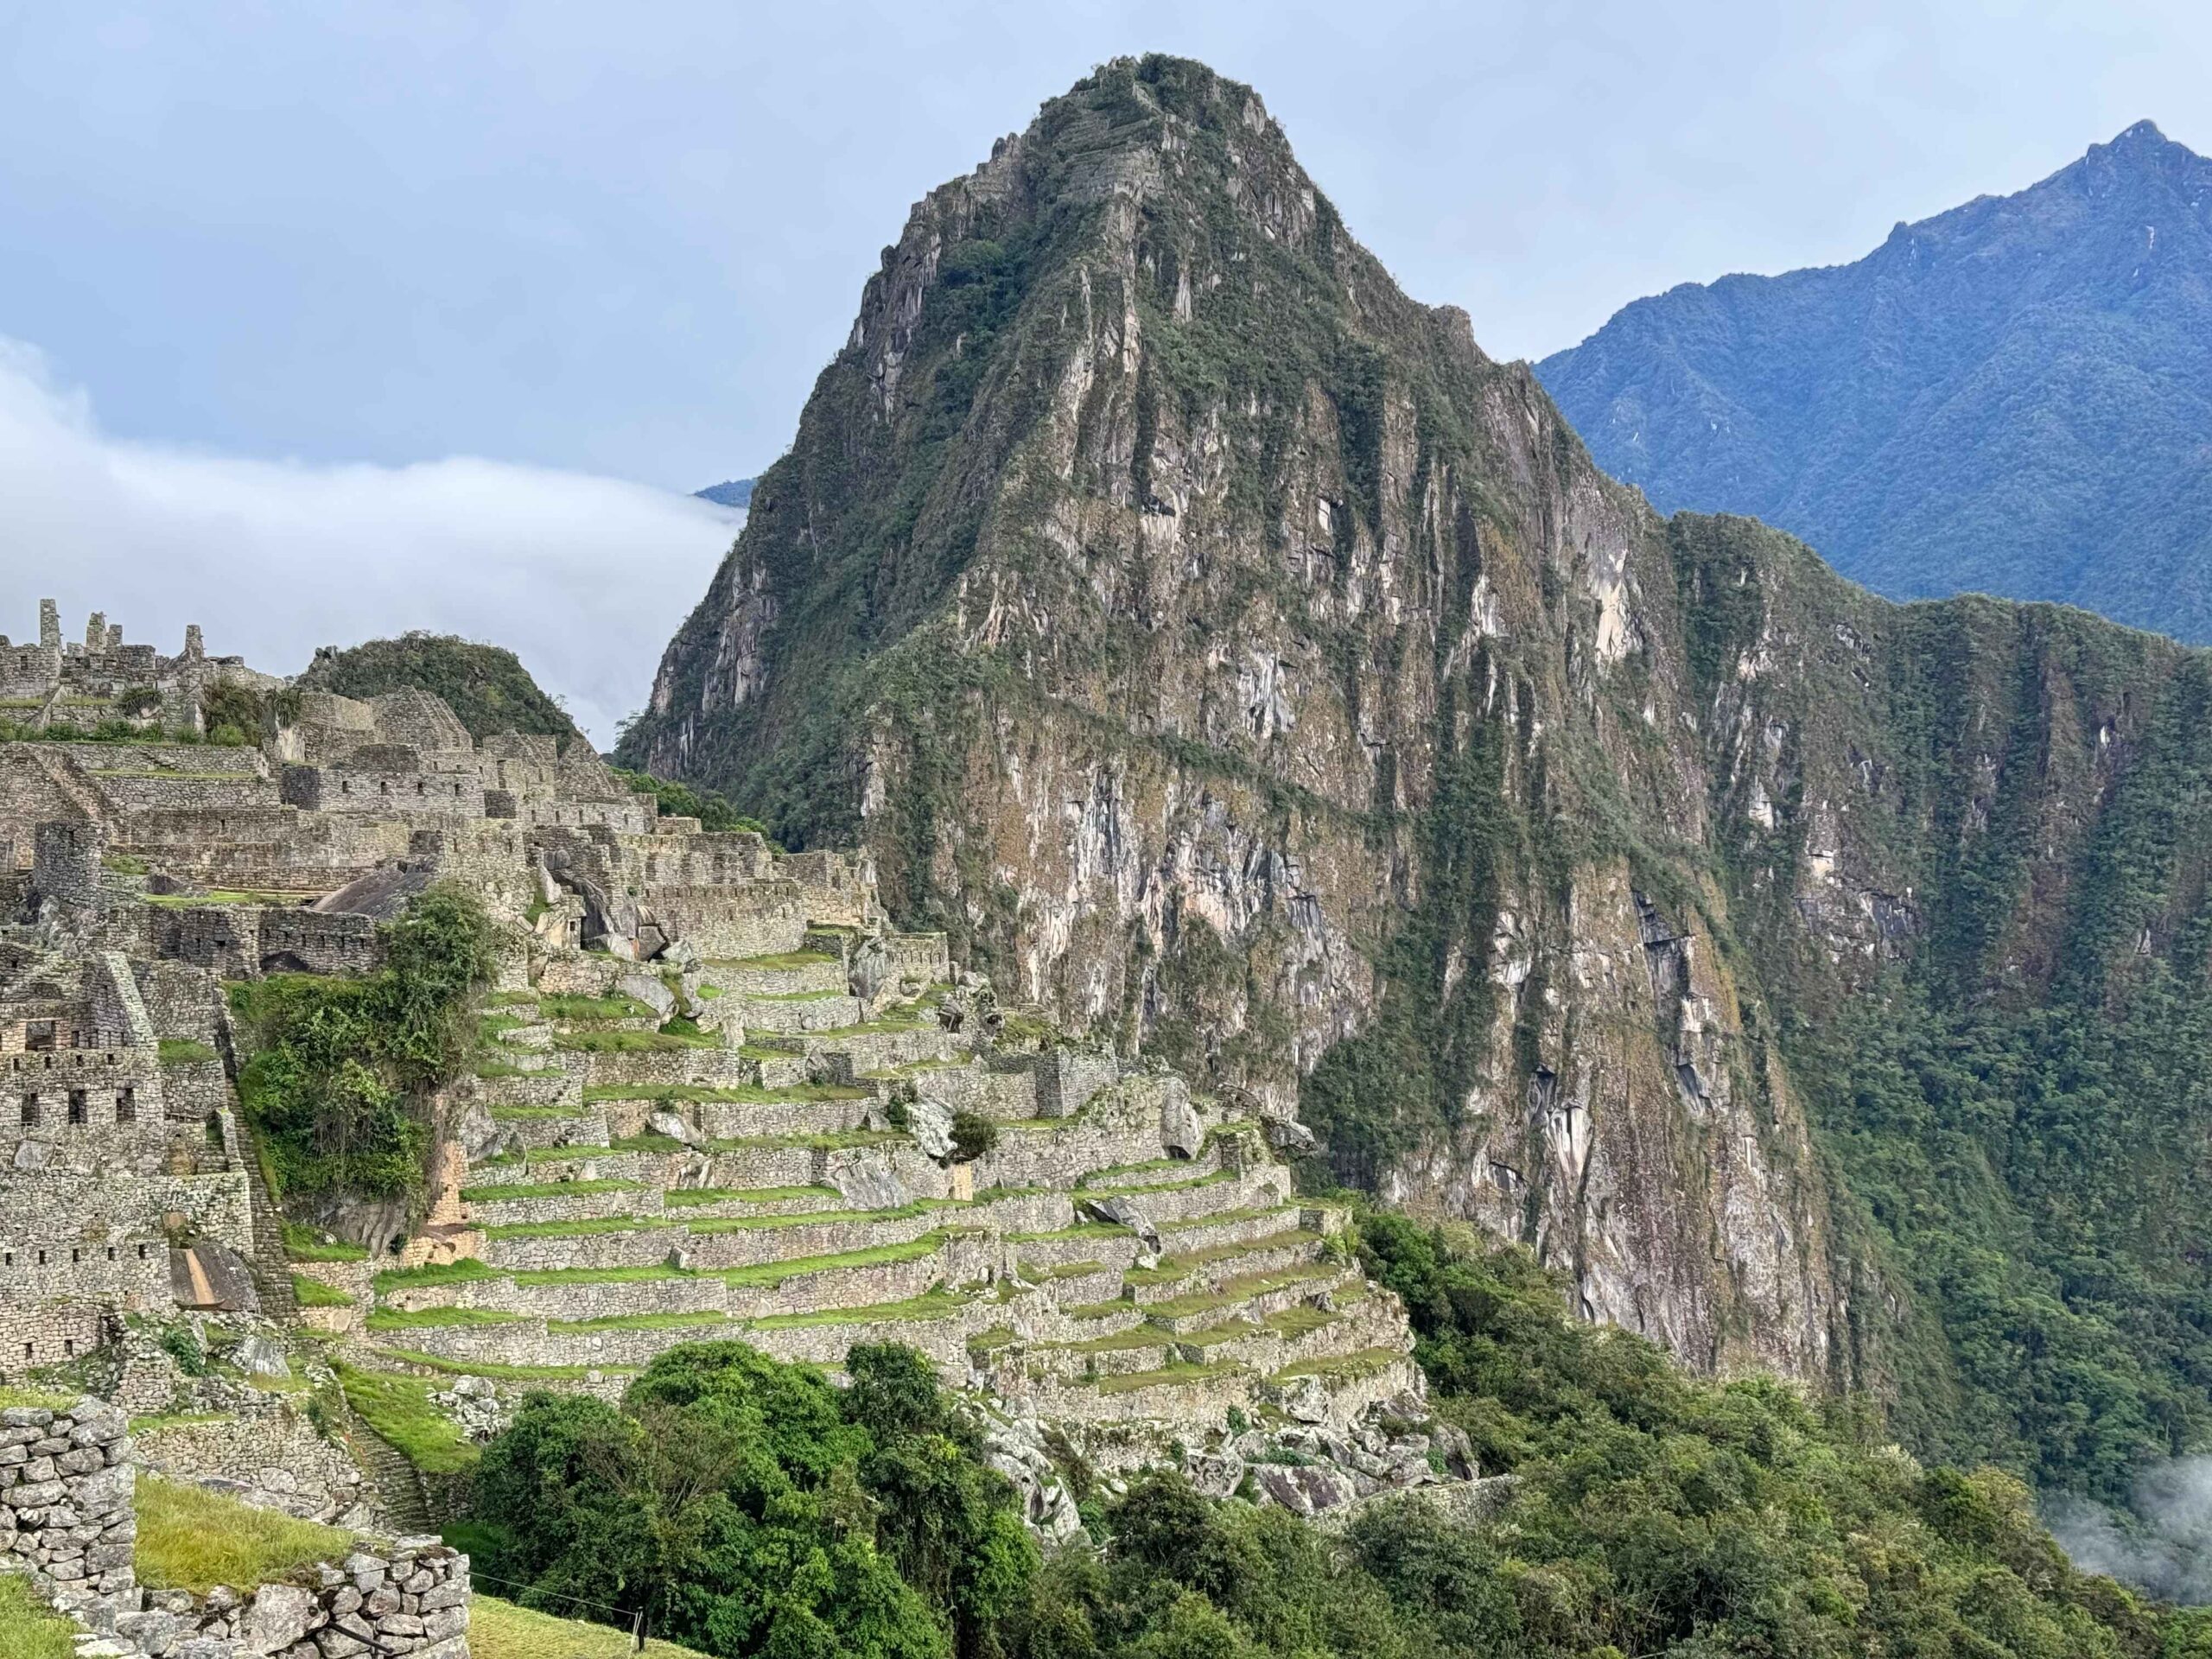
(584,577)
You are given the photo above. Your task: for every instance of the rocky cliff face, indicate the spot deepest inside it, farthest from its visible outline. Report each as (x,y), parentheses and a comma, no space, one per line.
(1231,656)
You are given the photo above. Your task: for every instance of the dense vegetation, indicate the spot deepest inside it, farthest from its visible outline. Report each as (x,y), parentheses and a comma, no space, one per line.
(336,1071)
(714,810)
(487,688)
(748,1507)
(2008,397)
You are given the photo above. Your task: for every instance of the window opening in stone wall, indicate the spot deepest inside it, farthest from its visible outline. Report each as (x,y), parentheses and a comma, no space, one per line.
(77,1106)
(126,1105)
(30,1111)
(38,1036)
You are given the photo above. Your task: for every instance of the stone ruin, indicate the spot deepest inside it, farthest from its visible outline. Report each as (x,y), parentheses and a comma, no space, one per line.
(717,1096)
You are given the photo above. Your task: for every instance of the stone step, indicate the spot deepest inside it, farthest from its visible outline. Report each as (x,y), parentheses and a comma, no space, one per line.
(881,1045)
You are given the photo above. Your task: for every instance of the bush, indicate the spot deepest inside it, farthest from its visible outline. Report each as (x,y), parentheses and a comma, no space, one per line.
(973,1135)
(749,1507)
(340,1067)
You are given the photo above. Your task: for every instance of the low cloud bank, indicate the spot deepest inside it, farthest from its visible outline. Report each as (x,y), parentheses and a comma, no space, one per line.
(2164,1546)
(585,578)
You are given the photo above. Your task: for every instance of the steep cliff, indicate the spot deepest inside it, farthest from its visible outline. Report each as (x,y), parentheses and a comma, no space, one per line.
(1226,651)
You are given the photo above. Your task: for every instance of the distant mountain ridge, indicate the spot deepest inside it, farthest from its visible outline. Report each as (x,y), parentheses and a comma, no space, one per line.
(2014,396)
(737,492)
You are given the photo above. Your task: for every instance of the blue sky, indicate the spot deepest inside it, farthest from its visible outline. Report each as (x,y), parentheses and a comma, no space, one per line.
(620,241)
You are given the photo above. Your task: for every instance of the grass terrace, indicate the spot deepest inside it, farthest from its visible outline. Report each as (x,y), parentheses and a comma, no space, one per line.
(514,1191)
(387,1319)
(399,1409)
(485,1368)
(593,1008)
(692,1094)
(1183,1263)
(936,1305)
(184,1051)
(783,961)
(313,1293)
(685,1197)
(302,1245)
(1166,1375)
(499,1630)
(192,1538)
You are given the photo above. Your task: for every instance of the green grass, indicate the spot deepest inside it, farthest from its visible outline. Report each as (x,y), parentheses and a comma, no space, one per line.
(637,1322)
(936,1305)
(530,1114)
(822,996)
(518,1190)
(599,1275)
(184,1051)
(213,895)
(192,1538)
(587,1227)
(487,1367)
(499,1630)
(313,1293)
(686,1197)
(632,1042)
(31,1630)
(426,1319)
(1242,1287)
(733,1094)
(398,1408)
(1176,1373)
(1081,1229)
(1185,1262)
(783,961)
(511,999)
(1215,1178)
(37,1399)
(831,1140)
(1365,1363)
(880,1256)
(302,1245)
(434,1273)
(593,1008)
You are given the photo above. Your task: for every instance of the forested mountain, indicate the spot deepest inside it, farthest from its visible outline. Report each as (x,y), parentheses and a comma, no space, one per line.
(485,685)
(1229,654)
(2010,398)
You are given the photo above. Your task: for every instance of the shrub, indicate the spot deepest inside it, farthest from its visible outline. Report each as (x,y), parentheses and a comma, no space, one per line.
(973,1135)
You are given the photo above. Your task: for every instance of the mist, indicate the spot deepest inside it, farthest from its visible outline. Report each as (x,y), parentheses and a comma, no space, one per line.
(2163,1546)
(584,577)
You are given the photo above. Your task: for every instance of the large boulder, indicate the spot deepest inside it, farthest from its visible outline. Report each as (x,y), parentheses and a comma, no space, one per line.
(930,1122)
(648,989)
(1181,1130)
(278,1617)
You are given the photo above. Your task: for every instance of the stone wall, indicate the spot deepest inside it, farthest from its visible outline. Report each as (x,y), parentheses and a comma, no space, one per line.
(66,1509)
(272,1459)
